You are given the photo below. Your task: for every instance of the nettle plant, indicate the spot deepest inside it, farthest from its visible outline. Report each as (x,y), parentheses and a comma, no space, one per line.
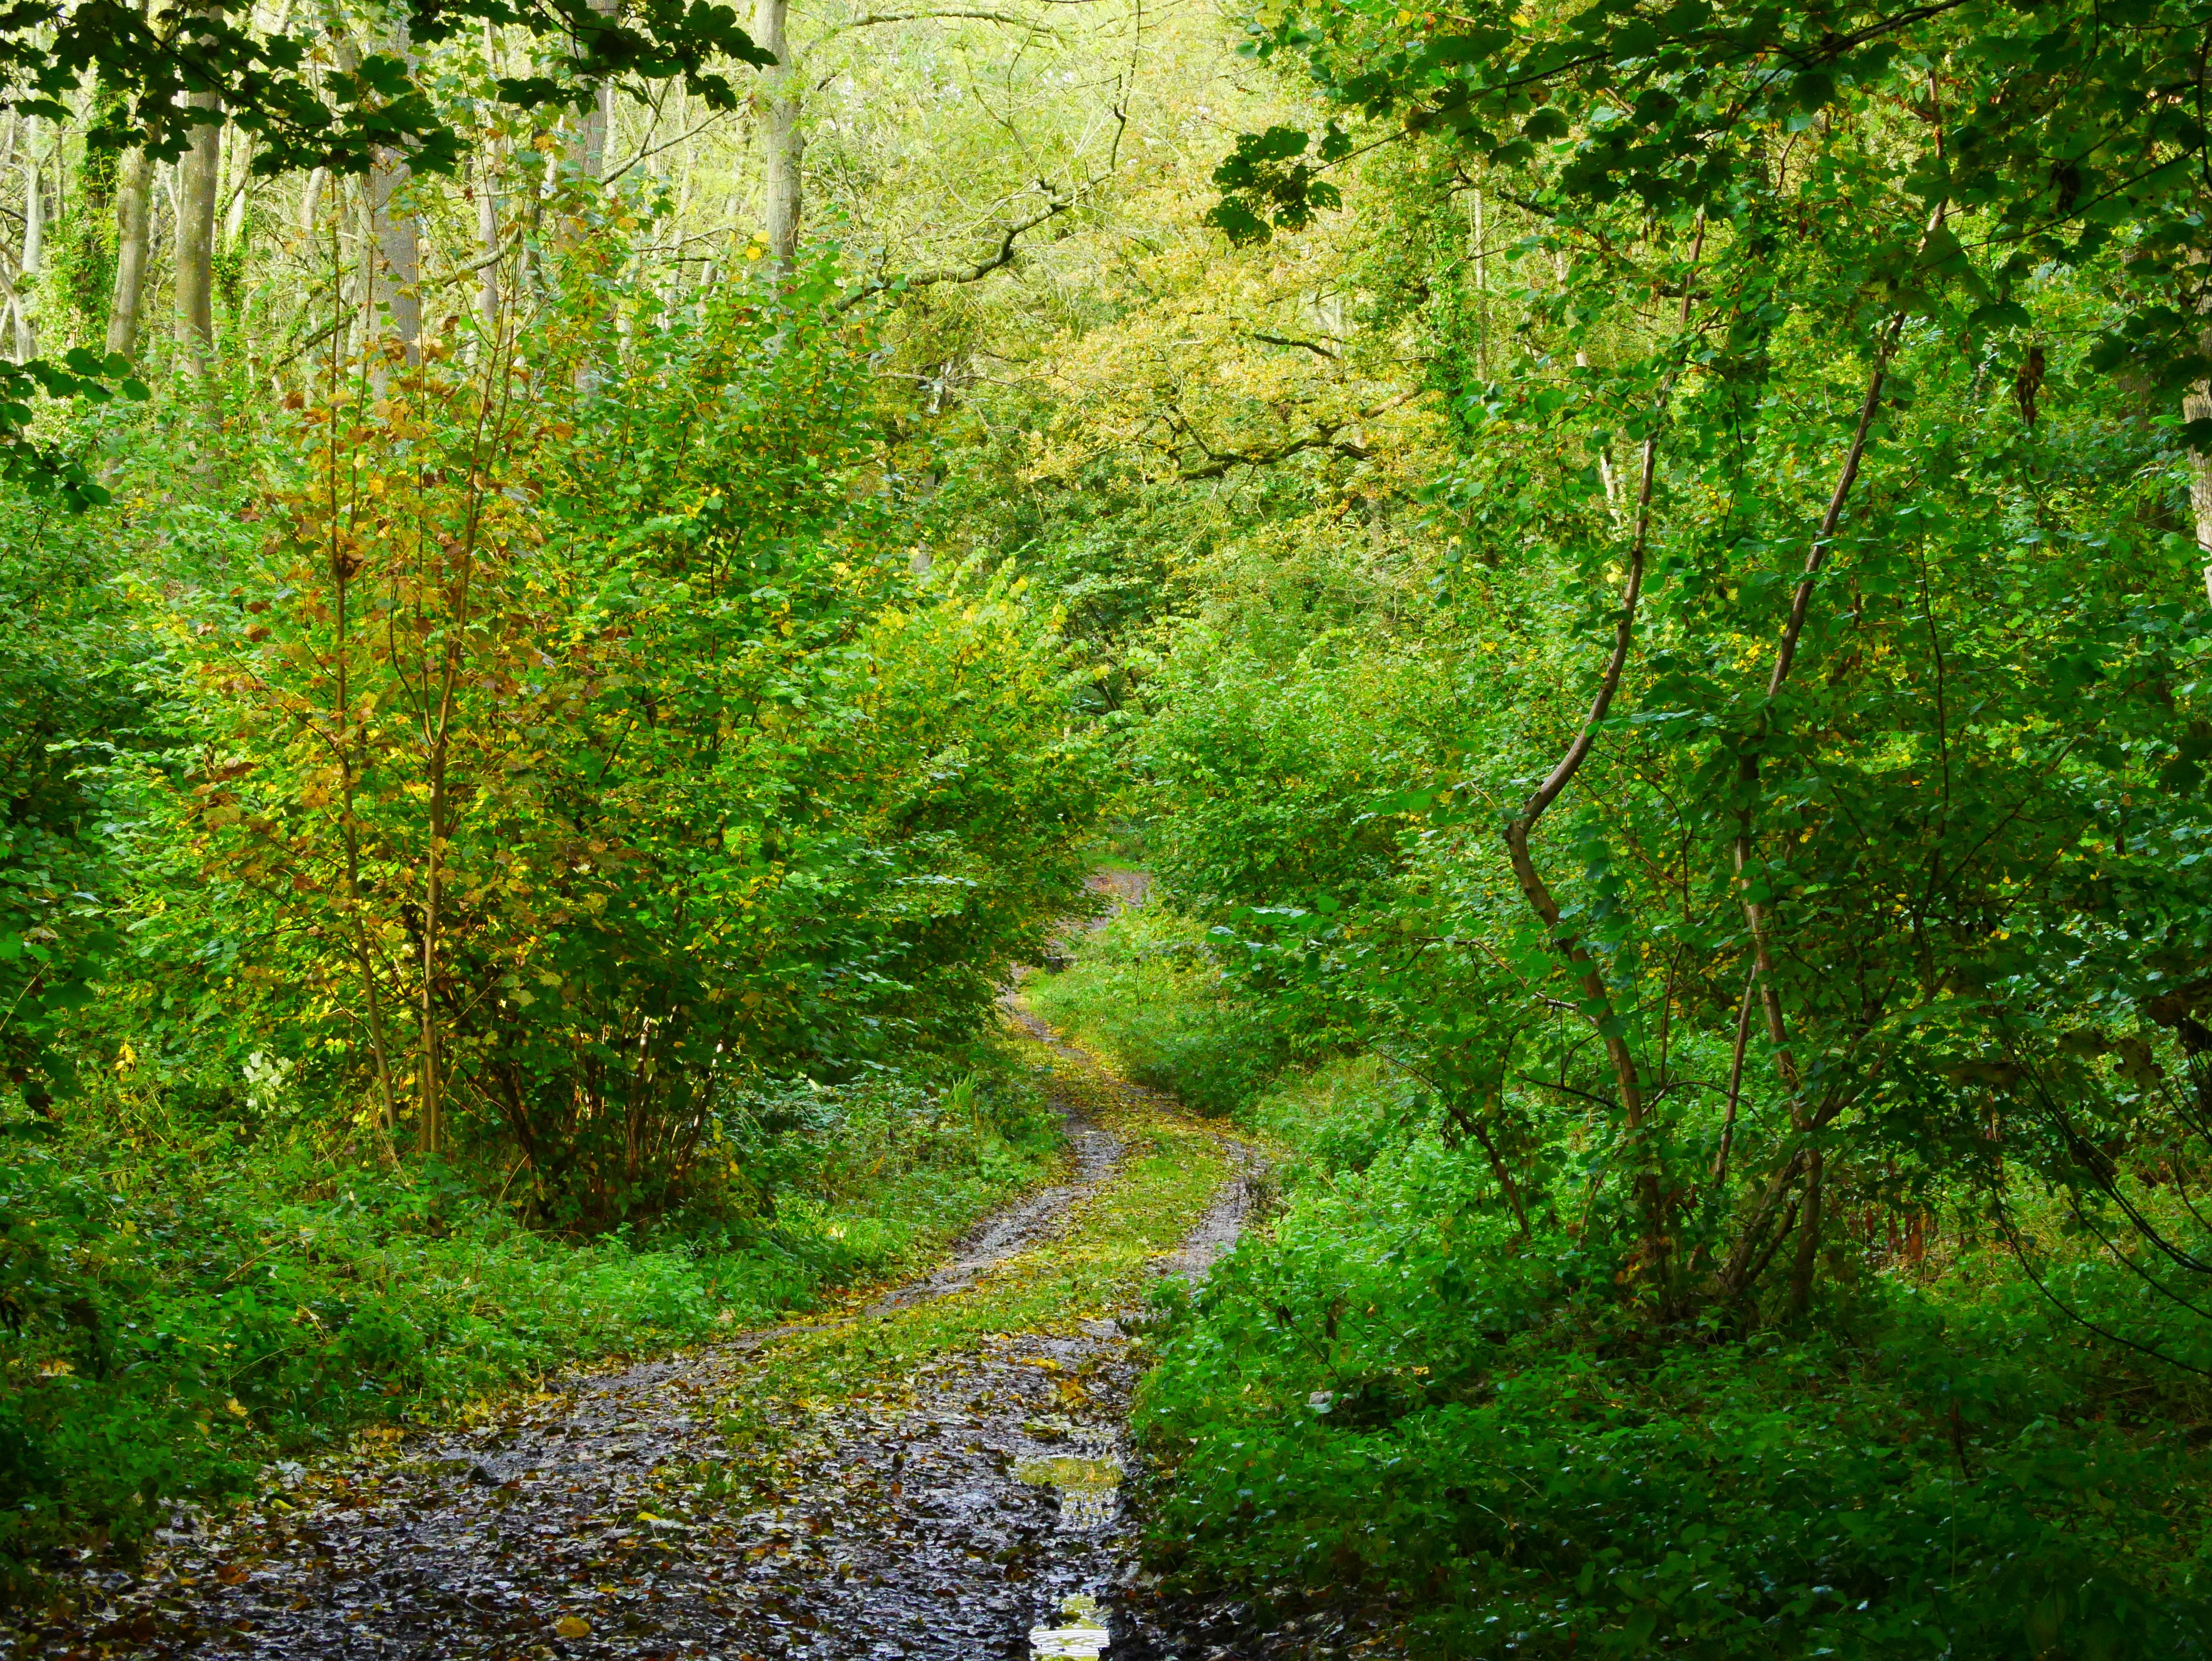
(573,753)
(1846,838)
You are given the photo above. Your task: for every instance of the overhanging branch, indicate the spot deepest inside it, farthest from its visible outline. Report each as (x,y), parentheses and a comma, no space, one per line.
(1323,437)
(1007,248)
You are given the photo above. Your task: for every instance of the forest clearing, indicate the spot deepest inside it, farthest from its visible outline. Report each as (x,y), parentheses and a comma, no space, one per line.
(1190,831)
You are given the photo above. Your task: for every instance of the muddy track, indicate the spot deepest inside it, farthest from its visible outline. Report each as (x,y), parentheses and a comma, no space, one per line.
(951,1514)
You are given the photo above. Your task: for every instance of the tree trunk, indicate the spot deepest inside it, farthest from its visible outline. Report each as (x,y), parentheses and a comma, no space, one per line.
(311,203)
(241,192)
(1653,1249)
(395,298)
(783,144)
(487,297)
(34,245)
(597,122)
(1809,1235)
(134,179)
(196,193)
(395,301)
(2197,406)
(489,157)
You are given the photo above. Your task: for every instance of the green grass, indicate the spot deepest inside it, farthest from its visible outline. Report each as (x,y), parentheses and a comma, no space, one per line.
(1145,993)
(184,1305)
(1101,1262)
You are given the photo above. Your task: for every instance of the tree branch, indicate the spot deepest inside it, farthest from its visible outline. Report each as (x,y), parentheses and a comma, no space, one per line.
(1315,347)
(1323,437)
(975,273)
(875,18)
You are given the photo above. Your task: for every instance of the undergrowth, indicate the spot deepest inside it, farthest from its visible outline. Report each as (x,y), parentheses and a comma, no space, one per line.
(1149,995)
(183,1304)
(1393,1397)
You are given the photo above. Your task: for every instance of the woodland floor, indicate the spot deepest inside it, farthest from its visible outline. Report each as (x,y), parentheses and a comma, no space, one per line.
(932,1472)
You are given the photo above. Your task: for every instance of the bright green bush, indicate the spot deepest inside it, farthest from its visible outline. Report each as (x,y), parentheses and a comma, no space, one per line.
(1393,1394)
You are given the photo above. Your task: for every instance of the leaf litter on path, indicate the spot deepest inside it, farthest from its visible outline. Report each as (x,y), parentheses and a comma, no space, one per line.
(933,1474)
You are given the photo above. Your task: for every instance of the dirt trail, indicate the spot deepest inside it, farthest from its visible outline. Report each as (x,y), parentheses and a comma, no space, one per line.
(950,1514)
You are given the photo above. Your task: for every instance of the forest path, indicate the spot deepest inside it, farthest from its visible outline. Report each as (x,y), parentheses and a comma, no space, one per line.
(929,1473)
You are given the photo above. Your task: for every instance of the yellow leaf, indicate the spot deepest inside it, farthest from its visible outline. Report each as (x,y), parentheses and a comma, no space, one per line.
(572,1626)
(232,1408)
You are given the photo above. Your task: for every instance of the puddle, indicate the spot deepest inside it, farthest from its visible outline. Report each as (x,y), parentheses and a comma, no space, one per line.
(796,1526)
(1082,1632)
(1090,1490)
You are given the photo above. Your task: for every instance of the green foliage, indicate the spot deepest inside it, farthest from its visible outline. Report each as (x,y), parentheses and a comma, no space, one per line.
(1813,616)
(267,82)
(1392,1395)
(184,1300)
(546,782)
(1146,990)
(67,672)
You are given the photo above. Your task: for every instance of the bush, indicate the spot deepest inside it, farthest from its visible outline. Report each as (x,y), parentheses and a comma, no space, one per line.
(1396,1396)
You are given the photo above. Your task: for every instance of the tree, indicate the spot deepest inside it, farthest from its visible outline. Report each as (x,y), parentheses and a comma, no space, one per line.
(554,784)
(175,76)
(198,178)
(1740,212)
(783,145)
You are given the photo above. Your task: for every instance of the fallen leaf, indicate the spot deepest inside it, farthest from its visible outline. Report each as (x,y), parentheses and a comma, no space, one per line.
(572,1626)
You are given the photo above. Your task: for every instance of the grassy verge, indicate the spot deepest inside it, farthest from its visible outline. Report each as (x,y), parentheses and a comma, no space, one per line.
(1392,1396)
(1100,1262)
(183,1306)
(1146,994)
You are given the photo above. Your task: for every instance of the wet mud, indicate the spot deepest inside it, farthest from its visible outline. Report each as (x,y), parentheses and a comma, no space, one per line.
(968,1507)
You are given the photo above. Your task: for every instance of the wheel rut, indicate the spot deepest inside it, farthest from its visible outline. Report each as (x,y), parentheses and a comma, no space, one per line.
(965,1508)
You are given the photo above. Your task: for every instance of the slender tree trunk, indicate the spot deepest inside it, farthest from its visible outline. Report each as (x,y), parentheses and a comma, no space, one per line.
(2197,406)
(1808,1233)
(33,258)
(194,282)
(345,721)
(395,298)
(487,295)
(593,130)
(1758,916)
(432,1128)
(782,143)
(311,202)
(1597,999)
(241,191)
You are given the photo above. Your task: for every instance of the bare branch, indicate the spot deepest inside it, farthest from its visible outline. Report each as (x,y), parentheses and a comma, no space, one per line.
(877,19)
(975,273)
(655,149)
(506,246)
(1323,437)
(1313,347)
